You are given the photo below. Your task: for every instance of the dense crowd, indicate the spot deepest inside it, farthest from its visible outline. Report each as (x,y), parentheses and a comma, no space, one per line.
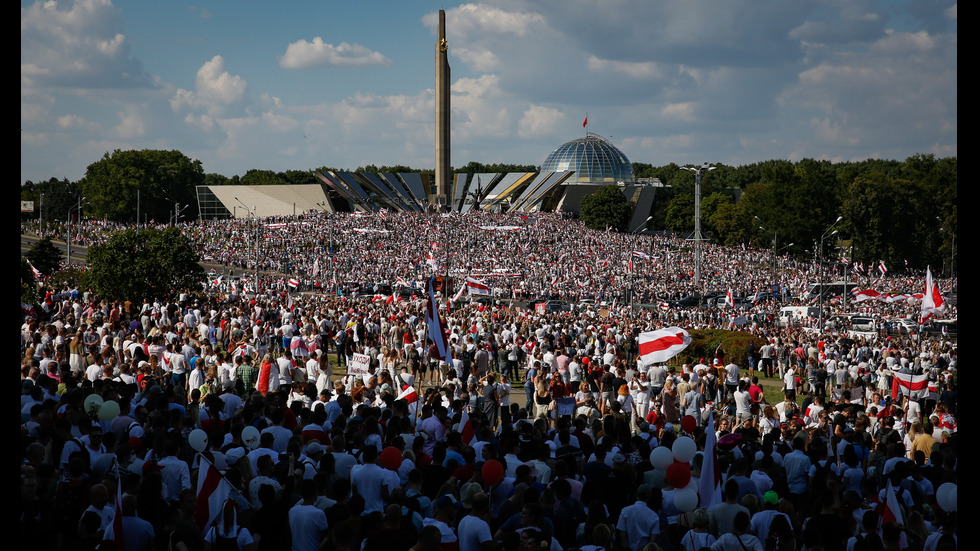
(338,427)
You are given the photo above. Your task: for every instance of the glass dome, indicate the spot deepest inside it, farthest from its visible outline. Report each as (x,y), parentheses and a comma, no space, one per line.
(592,158)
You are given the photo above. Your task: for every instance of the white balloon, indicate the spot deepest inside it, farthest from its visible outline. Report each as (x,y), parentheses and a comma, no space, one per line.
(685,499)
(198,439)
(109,410)
(250,436)
(92,403)
(684,449)
(661,458)
(946,496)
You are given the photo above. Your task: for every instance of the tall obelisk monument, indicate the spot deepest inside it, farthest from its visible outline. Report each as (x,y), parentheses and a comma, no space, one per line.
(442,115)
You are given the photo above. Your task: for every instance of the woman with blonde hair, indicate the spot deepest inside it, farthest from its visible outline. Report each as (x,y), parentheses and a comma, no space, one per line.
(542,400)
(699,536)
(668,399)
(76,353)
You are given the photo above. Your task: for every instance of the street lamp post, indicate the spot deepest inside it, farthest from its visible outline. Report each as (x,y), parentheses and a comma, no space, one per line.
(642,225)
(79,208)
(255,216)
(333,267)
(697,217)
(820,271)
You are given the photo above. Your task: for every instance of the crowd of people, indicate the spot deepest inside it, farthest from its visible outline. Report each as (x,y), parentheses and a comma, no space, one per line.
(338,426)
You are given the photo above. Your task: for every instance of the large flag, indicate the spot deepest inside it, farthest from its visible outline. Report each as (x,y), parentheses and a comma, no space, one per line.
(476,287)
(212,491)
(932,301)
(293,282)
(298,346)
(466,427)
(915,386)
(888,508)
(729,300)
(662,345)
(866,294)
(408,394)
(118,537)
(434,324)
(709,485)
(640,254)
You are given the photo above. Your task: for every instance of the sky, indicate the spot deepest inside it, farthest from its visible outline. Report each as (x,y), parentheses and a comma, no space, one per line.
(304,84)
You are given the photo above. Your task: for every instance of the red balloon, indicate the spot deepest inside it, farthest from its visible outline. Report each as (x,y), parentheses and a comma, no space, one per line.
(689,423)
(679,475)
(391,458)
(492,471)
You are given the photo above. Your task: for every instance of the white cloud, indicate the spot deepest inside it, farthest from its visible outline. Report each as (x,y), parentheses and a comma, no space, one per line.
(640,70)
(131,125)
(304,55)
(80,45)
(216,90)
(539,120)
(679,111)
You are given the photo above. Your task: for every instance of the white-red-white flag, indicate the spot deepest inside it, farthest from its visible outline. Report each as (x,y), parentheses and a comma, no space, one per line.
(434,323)
(729,299)
(466,427)
(709,485)
(914,386)
(662,345)
(118,535)
(888,508)
(212,491)
(293,282)
(408,394)
(932,300)
(865,294)
(476,287)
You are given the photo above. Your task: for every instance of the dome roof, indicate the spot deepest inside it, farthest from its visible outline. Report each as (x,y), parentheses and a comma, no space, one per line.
(592,158)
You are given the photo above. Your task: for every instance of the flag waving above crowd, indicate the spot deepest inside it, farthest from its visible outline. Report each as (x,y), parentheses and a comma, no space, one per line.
(662,345)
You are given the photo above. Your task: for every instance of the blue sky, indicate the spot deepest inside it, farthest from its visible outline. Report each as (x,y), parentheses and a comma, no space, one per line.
(297,85)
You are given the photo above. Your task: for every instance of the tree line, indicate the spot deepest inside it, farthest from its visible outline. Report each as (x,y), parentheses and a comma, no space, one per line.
(892,211)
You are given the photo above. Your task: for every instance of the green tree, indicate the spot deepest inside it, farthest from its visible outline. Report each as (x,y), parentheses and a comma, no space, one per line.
(148,181)
(680,213)
(52,198)
(606,207)
(255,177)
(731,224)
(44,256)
(146,263)
(28,284)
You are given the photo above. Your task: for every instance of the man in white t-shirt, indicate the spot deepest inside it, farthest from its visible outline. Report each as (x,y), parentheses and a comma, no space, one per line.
(373,482)
(307,523)
(473,530)
(731,378)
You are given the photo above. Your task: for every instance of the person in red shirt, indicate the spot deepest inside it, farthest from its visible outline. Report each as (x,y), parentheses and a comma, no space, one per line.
(755,391)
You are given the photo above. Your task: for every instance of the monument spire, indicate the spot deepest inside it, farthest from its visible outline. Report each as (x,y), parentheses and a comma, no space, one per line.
(442,116)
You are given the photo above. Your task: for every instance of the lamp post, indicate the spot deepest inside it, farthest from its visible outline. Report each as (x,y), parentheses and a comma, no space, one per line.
(820,271)
(333,267)
(697,217)
(642,224)
(254,215)
(79,208)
